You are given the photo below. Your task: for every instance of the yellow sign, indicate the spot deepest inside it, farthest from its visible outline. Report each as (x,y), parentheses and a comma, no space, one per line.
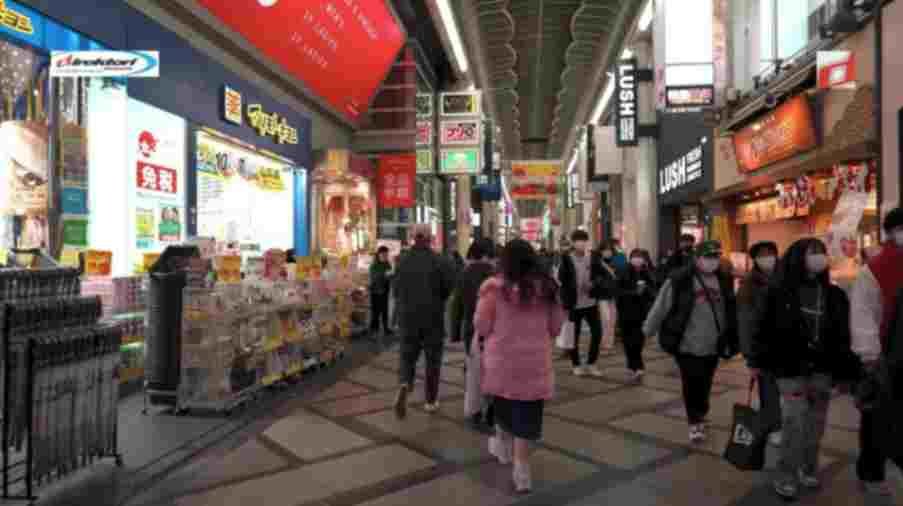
(537,169)
(4,257)
(270,179)
(228,269)
(69,258)
(232,105)
(14,20)
(98,263)
(271,125)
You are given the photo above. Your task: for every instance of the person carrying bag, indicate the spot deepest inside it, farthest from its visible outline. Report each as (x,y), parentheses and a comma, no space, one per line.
(749,436)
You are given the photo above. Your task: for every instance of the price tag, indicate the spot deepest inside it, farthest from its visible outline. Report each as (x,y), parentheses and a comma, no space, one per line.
(228,269)
(98,262)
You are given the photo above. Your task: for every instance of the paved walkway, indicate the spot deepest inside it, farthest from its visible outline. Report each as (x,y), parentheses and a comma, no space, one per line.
(605,442)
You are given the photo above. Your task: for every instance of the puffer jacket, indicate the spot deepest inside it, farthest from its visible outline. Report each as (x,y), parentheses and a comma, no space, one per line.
(465,301)
(751,301)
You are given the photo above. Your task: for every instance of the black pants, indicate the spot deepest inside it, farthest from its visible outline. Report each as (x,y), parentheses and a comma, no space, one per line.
(379,309)
(769,400)
(872,459)
(431,346)
(634,341)
(697,375)
(594,320)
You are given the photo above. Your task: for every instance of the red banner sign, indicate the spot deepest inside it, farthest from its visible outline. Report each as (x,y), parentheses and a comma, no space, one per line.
(155,178)
(341,49)
(784,132)
(397,180)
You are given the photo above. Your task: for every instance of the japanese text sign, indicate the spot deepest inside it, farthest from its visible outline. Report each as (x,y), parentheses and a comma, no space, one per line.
(155,178)
(396,180)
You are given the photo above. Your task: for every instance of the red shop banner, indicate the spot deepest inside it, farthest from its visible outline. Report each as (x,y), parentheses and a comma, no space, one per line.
(341,49)
(780,134)
(396,180)
(150,177)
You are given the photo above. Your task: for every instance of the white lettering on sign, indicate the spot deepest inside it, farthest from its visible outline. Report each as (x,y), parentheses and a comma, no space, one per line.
(682,171)
(626,108)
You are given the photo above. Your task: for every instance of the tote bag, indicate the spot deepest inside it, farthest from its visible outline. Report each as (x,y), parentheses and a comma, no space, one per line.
(749,437)
(473,397)
(565,339)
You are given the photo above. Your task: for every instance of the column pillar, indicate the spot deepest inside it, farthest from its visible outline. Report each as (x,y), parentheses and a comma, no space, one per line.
(463,214)
(646,157)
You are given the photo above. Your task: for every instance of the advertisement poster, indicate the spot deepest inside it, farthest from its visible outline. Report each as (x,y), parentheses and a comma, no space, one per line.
(23,164)
(324,44)
(460,133)
(145,224)
(534,179)
(75,232)
(780,134)
(459,161)
(74,156)
(170,224)
(74,200)
(396,180)
(843,234)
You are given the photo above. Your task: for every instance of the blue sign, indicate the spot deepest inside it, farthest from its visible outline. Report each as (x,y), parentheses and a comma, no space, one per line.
(75,201)
(21,23)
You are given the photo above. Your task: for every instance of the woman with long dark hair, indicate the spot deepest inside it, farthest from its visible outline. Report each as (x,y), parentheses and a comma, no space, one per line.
(636,295)
(804,341)
(519,314)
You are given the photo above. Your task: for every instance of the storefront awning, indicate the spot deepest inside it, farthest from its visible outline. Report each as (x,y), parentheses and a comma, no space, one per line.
(853,138)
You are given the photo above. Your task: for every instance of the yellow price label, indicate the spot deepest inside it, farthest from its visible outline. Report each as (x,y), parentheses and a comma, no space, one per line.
(98,262)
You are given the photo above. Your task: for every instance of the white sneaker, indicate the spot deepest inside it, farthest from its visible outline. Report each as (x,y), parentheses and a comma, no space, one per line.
(697,433)
(594,371)
(776,439)
(579,371)
(523,483)
(431,407)
(499,450)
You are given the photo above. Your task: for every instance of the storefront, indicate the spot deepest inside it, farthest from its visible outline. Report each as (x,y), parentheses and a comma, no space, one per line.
(343,207)
(685,175)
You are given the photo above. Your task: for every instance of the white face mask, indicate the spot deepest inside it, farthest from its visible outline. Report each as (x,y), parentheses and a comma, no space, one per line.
(708,265)
(639,263)
(816,263)
(898,237)
(766,263)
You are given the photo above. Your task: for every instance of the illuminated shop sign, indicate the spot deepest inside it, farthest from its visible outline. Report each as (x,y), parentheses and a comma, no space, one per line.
(460,104)
(232,105)
(690,96)
(460,133)
(626,125)
(271,125)
(14,20)
(685,170)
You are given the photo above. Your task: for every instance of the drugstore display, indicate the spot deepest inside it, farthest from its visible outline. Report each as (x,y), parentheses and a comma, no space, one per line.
(60,385)
(124,302)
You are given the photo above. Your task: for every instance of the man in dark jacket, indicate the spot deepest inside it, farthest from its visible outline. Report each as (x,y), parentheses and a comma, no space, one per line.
(380,282)
(424,282)
(583,282)
(682,258)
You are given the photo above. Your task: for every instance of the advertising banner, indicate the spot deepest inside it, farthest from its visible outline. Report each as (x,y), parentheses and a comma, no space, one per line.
(105,64)
(782,133)
(626,119)
(460,133)
(342,50)
(836,69)
(397,180)
(534,179)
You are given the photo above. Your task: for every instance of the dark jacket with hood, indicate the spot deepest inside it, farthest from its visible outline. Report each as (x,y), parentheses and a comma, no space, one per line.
(634,305)
(465,302)
(423,282)
(751,301)
(602,280)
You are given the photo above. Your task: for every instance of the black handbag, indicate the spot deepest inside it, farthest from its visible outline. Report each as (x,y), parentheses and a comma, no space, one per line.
(749,437)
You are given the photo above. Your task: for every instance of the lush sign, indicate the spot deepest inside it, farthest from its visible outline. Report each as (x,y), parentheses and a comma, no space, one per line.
(626,123)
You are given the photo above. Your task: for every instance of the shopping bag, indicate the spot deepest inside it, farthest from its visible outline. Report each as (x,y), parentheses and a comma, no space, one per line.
(749,437)
(565,339)
(473,396)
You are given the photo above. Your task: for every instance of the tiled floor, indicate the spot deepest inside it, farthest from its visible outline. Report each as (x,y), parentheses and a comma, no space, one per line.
(606,441)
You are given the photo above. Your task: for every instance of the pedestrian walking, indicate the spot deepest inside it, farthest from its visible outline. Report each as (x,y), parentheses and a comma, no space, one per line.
(608,305)
(695,317)
(583,282)
(480,267)
(804,341)
(424,283)
(682,259)
(751,300)
(380,284)
(519,314)
(876,305)
(636,295)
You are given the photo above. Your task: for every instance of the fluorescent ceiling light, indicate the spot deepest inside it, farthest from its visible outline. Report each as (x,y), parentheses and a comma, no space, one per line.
(454,36)
(627,54)
(646,17)
(603,101)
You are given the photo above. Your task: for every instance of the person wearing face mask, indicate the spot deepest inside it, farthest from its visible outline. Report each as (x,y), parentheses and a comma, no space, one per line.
(636,294)
(751,299)
(875,303)
(682,258)
(695,318)
(582,278)
(804,341)
(607,304)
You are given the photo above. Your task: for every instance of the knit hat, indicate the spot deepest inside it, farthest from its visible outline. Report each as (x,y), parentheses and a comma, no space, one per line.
(708,249)
(760,247)
(894,219)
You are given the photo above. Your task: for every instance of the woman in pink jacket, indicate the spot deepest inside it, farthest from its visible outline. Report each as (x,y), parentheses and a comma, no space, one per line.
(519,314)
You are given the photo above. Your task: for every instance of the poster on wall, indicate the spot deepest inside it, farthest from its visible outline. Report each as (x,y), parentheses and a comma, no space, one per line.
(145,227)
(75,232)
(397,180)
(842,236)
(73,156)
(24,165)
(170,224)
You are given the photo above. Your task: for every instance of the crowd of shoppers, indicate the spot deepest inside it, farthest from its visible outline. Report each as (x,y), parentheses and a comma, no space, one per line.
(800,335)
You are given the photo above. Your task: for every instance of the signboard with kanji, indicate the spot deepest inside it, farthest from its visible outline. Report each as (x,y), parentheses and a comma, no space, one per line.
(397,180)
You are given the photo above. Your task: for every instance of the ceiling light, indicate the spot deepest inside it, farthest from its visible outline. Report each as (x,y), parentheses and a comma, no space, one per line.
(454,36)
(627,54)
(603,101)
(646,17)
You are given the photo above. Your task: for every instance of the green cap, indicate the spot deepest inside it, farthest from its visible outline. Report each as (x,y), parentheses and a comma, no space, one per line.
(708,249)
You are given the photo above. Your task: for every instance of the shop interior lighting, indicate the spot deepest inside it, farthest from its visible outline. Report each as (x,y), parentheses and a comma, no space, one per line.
(454,36)
(646,16)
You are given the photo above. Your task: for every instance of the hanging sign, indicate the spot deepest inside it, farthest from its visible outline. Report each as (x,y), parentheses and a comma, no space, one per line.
(459,161)
(626,120)
(836,69)
(459,104)
(98,263)
(460,133)
(424,133)
(396,180)
(690,96)
(534,179)
(782,133)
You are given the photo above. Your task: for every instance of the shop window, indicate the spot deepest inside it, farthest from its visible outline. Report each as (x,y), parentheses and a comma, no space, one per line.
(688,42)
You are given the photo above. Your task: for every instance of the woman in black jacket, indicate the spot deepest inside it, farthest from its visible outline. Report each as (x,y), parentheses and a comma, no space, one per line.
(804,341)
(636,294)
